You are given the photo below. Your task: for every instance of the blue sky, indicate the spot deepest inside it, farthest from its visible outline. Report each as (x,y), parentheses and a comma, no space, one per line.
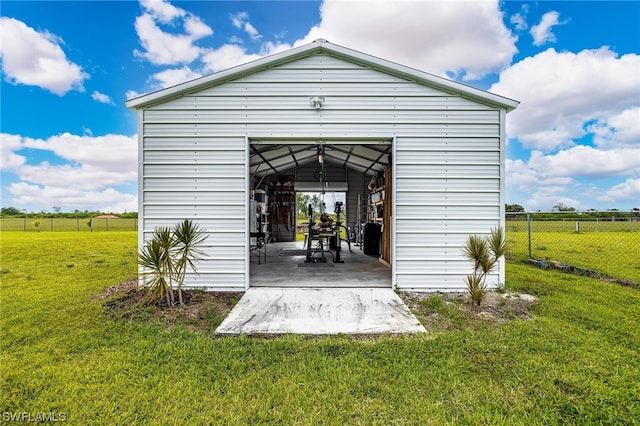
(68,141)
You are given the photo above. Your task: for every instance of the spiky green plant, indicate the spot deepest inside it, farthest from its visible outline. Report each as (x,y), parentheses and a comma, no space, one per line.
(164,259)
(476,287)
(476,250)
(165,238)
(189,237)
(152,259)
(484,252)
(497,242)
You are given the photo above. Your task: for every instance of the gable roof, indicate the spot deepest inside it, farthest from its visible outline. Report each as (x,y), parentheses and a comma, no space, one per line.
(323,46)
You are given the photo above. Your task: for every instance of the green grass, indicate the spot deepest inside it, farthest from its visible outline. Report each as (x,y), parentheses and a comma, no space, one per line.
(569,225)
(611,253)
(577,362)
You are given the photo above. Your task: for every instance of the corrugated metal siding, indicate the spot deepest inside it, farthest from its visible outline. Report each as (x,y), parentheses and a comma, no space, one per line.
(202,179)
(447,160)
(446,189)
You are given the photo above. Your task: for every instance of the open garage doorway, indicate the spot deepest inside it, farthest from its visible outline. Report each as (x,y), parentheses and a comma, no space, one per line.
(285,177)
(328,203)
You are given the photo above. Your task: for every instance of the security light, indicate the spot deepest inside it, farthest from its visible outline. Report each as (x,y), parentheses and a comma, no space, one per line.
(316,101)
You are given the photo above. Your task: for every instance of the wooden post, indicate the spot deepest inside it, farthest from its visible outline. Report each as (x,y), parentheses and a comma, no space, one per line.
(386,217)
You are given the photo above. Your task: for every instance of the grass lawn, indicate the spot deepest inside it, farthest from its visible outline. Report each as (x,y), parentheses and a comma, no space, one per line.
(611,253)
(61,351)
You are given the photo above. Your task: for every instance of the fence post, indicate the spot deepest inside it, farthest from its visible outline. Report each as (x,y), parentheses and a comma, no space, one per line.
(51,224)
(529,232)
(24,227)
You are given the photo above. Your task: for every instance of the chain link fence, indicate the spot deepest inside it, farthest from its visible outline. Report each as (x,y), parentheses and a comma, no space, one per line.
(602,242)
(606,243)
(68,224)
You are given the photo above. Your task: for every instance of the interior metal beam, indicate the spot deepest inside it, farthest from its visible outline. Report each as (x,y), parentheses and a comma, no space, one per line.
(377,161)
(263,159)
(293,156)
(346,160)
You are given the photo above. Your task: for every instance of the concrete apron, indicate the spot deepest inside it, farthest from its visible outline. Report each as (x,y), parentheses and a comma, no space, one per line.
(276,310)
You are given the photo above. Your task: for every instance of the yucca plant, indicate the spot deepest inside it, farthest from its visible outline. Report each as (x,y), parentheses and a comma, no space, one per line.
(152,258)
(188,238)
(164,259)
(165,238)
(484,252)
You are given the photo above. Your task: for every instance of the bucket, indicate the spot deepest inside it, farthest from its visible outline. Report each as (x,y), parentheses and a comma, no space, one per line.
(261,196)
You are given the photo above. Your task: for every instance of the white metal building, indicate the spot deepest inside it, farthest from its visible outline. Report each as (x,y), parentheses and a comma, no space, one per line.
(205,143)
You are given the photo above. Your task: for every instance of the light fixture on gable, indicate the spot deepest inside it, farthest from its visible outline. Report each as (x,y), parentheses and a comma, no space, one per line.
(316,101)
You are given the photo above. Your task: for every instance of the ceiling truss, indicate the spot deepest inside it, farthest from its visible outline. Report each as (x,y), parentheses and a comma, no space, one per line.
(276,158)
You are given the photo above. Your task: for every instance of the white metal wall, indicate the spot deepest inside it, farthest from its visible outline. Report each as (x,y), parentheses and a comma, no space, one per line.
(203,179)
(447,171)
(447,188)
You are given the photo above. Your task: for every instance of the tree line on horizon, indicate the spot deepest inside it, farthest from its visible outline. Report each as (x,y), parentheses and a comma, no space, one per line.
(565,211)
(302,203)
(57,213)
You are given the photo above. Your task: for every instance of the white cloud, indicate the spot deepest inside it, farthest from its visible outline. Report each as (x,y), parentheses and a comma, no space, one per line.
(561,93)
(618,130)
(551,179)
(251,30)
(130,94)
(162,10)
(586,161)
(227,56)
(541,33)
(43,196)
(109,154)
(481,43)
(36,59)
(545,201)
(528,179)
(466,38)
(9,160)
(629,190)
(87,177)
(102,98)
(238,19)
(241,21)
(196,28)
(79,177)
(519,21)
(168,48)
(543,191)
(171,77)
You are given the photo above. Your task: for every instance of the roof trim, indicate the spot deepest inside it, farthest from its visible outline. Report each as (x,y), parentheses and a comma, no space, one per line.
(323,46)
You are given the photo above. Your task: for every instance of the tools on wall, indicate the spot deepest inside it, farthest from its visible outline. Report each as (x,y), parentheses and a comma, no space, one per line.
(282,207)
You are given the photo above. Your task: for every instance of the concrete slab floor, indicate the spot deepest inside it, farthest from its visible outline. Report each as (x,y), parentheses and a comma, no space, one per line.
(272,310)
(285,267)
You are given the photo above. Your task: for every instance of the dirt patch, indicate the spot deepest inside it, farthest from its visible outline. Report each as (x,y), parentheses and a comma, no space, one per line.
(203,310)
(452,311)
